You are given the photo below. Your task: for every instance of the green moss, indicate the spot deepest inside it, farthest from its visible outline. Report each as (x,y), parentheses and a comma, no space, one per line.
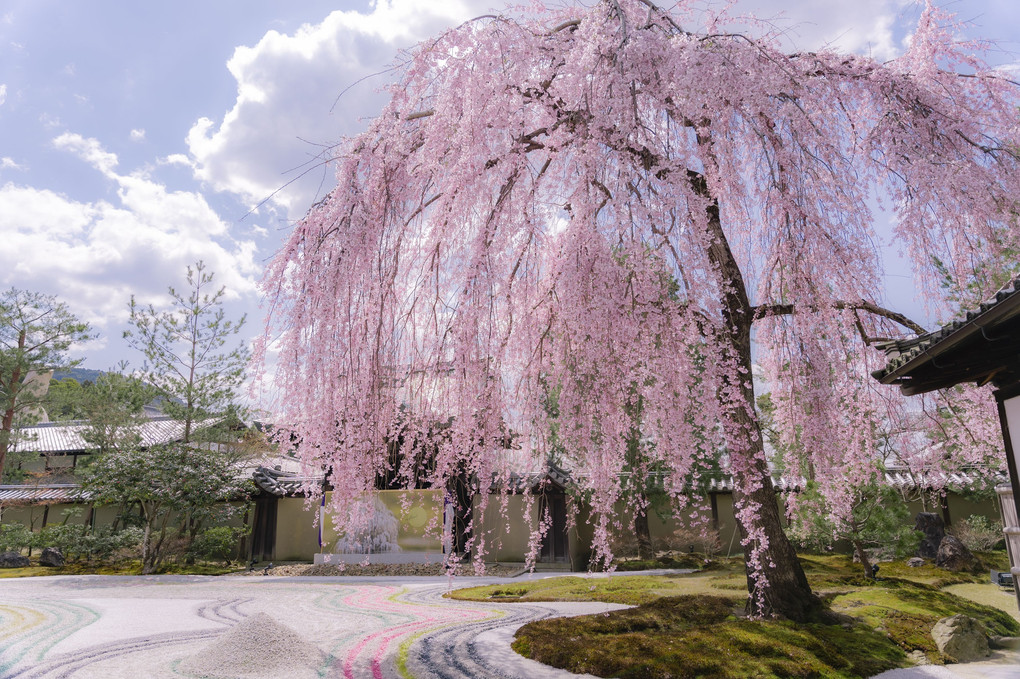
(906,612)
(699,636)
(122,568)
(625,589)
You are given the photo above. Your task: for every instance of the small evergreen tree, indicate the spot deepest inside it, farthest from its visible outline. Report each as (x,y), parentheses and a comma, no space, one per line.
(187,356)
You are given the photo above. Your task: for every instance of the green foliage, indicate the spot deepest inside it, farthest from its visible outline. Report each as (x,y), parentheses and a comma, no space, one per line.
(113,405)
(879,519)
(219,542)
(163,482)
(79,542)
(978,533)
(15,537)
(36,332)
(186,358)
(986,276)
(64,398)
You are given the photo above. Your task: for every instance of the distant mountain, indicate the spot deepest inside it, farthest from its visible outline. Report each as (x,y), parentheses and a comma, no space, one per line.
(79,374)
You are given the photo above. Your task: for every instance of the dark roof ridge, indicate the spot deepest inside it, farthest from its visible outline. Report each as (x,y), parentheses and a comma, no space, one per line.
(904,353)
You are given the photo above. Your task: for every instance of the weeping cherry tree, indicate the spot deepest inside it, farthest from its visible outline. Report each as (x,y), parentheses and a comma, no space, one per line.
(602,200)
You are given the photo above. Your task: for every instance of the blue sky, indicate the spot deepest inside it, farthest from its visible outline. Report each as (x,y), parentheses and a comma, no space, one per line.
(136,138)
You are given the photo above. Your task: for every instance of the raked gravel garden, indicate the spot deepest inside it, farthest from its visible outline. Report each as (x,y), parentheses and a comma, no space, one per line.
(260,628)
(300,622)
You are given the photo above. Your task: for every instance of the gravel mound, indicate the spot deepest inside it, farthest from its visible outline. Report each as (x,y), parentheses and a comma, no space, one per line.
(256,648)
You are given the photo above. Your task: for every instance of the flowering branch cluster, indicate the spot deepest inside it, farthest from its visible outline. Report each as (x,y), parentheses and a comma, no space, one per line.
(597,202)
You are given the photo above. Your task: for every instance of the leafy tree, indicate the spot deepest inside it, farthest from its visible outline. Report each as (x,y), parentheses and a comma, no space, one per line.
(112,405)
(64,399)
(188,359)
(81,542)
(36,331)
(164,482)
(879,518)
(475,237)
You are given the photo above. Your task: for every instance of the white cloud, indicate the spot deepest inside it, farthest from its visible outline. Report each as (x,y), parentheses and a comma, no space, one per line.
(50,121)
(286,89)
(177,159)
(95,254)
(3,93)
(7,163)
(88,150)
(137,135)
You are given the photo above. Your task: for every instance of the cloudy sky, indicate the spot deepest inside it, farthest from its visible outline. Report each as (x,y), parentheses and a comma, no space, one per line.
(136,138)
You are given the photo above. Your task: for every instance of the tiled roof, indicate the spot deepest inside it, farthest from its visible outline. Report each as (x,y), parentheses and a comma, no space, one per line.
(280,483)
(45,494)
(66,437)
(901,353)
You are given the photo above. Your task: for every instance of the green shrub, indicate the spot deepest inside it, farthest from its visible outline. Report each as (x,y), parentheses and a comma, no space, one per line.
(70,539)
(219,542)
(77,542)
(978,534)
(15,537)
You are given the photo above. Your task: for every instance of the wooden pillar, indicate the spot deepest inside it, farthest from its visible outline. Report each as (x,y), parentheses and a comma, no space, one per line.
(1008,401)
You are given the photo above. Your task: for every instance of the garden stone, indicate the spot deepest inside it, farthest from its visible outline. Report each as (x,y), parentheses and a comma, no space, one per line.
(51,557)
(960,637)
(1005,643)
(13,560)
(934,529)
(918,658)
(915,562)
(954,556)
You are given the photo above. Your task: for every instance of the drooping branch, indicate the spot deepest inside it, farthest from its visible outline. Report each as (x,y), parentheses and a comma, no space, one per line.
(764,310)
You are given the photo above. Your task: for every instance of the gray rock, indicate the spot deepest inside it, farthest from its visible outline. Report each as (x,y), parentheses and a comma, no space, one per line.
(918,658)
(915,562)
(13,560)
(934,529)
(1005,643)
(960,637)
(954,556)
(51,557)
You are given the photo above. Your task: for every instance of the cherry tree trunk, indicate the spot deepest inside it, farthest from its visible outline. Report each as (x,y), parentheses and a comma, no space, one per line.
(862,554)
(778,586)
(775,579)
(643,535)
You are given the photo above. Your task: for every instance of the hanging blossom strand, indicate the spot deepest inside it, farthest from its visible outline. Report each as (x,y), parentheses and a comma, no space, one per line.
(574,223)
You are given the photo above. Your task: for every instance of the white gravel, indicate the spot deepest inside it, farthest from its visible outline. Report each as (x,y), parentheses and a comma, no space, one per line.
(494,645)
(999,665)
(123,618)
(257,648)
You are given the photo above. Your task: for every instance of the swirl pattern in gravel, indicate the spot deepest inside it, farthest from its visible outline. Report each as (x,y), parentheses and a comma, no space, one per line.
(251,628)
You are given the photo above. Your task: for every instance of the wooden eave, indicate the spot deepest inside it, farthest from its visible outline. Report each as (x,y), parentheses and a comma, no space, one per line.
(983,348)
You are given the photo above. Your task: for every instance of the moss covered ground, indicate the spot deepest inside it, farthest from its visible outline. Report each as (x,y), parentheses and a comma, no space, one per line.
(693,626)
(120,568)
